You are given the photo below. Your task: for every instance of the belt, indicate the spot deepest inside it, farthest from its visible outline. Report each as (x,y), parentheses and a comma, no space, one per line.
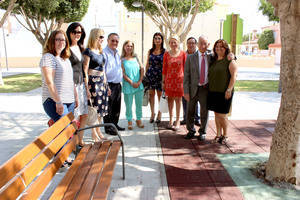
(203,86)
(112,83)
(93,72)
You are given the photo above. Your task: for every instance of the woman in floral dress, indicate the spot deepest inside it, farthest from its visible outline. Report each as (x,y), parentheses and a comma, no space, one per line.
(95,77)
(154,72)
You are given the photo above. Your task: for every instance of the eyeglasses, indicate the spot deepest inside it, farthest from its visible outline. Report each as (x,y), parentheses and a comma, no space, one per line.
(59,40)
(101,37)
(219,46)
(76,32)
(117,41)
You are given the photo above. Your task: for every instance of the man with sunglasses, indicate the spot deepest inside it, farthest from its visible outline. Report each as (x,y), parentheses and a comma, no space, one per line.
(114,77)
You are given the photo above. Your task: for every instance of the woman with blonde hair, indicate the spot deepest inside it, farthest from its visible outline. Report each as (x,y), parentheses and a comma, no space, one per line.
(133,72)
(95,78)
(172,81)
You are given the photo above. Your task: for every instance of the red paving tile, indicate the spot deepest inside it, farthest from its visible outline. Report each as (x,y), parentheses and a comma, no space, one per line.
(229,192)
(193,169)
(194,193)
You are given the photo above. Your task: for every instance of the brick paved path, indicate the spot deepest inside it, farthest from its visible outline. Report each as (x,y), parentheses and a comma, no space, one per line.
(192,168)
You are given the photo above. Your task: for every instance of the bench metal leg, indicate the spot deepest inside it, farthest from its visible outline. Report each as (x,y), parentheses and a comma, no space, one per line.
(123,160)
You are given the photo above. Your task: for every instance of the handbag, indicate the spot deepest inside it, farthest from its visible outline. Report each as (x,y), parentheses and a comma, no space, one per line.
(146,82)
(92,115)
(163,104)
(146,97)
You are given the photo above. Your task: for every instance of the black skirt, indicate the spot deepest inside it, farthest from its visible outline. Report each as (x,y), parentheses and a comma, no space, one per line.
(216,102)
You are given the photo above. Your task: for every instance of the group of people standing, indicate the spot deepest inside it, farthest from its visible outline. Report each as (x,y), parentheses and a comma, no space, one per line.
(193,77)
(75,77)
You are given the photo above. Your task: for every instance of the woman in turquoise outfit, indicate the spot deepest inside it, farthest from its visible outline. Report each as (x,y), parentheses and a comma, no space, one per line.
(133,73)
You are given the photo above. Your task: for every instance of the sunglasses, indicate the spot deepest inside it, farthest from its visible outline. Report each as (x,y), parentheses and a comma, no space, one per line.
(117,41)
(76,32)
(101,37)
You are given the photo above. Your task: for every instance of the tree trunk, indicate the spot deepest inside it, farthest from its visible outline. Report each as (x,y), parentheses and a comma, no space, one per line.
(173,25)
(7,12)
(284,160)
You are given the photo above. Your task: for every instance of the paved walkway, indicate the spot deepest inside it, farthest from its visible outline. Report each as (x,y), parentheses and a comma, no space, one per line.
(22,119)
(205,170)
(194,170)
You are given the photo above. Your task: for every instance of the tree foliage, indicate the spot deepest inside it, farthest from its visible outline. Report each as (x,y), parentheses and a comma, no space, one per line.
(172,16)
(268,10)
(174,7)
(41,17)
(265,39)
(246,36)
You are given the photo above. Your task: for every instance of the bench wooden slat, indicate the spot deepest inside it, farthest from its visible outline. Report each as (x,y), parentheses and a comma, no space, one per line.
(92,178)
(65,182)
(101,189)
(81,174)
(26,175)
(11,193)
(41,160)
(38,186)
(30,171)
(11,167)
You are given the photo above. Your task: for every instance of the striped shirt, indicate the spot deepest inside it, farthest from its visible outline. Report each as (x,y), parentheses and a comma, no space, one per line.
(63,78)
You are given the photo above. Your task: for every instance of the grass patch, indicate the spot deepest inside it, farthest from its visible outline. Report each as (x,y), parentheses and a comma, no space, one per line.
(256,86)
(21,83)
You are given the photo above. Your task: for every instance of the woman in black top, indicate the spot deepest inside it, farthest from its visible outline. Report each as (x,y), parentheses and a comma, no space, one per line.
(76,36)
(95,77)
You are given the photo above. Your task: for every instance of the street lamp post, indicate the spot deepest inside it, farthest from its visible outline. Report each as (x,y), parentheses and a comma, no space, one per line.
(140,5)
(221,28)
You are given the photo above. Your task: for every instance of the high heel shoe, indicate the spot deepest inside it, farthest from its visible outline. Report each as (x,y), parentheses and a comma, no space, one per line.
(130,125)
(152,118)
(158,119)
(139,124)
(101,136)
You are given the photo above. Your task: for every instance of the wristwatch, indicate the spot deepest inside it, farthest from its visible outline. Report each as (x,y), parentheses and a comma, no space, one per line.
(59,102)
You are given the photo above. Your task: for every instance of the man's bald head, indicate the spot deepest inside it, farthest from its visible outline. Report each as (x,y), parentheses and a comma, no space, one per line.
(203,44)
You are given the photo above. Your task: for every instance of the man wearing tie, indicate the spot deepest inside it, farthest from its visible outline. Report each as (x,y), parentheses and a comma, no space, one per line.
(195,86)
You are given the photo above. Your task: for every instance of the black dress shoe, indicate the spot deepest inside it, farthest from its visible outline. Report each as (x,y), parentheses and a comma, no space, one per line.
(110,131)
(120,128)
(183,122)
(189,135)
(201,137)
(197,123)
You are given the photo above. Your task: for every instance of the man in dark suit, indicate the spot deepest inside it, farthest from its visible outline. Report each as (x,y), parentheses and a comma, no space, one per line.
(191,49)
(195,86)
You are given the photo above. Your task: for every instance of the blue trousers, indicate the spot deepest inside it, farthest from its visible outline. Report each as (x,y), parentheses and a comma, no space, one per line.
(138,97)
(50,109)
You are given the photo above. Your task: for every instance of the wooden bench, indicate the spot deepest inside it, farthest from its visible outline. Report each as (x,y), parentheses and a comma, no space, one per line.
(27,174)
